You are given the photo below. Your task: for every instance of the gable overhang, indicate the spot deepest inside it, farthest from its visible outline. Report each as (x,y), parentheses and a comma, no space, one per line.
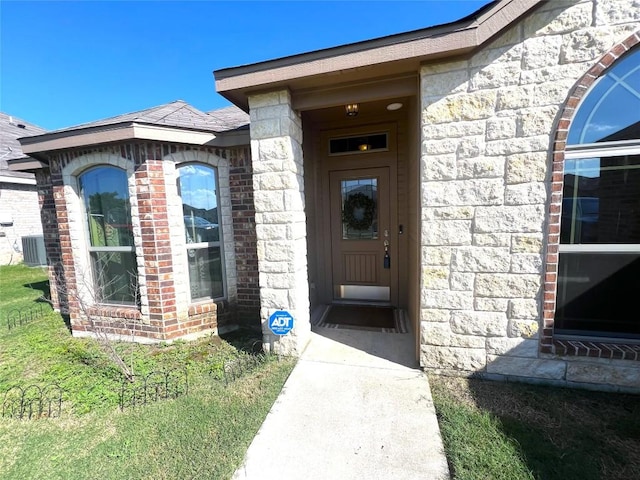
(355,66)
(128,131)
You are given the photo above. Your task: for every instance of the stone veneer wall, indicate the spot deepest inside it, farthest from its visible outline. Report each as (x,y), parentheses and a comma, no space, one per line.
(19,202)
(488,125)
(165,309)
(278,184)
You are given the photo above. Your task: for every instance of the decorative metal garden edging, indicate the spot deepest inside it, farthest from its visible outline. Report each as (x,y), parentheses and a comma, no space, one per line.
(32,402)
(154,386)
(21,316)
(240,366)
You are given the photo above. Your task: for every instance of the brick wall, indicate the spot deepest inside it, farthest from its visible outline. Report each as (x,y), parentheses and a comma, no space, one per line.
(243,211)
(165,310)
(53,246)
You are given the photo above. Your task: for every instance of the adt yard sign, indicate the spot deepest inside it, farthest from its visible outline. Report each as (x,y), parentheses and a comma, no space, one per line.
(280,322)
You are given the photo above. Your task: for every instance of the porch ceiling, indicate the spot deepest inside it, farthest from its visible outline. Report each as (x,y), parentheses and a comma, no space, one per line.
(370,111)
(350,66)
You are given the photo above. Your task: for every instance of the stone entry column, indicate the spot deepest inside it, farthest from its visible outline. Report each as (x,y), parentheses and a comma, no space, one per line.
(278,183)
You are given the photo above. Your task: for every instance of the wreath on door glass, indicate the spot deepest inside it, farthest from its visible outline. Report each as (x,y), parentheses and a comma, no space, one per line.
(358,211)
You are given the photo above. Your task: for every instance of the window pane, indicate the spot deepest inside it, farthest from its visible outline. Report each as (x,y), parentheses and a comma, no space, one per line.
(205,272)
(360,209)
(106,199)
(115,277)
(611,111)
(364,143)
(197,185)
(601,201)
(598,294)
(199,230)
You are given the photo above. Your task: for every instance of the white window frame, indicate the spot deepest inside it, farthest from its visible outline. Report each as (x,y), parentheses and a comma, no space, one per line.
(93,249)
(202,245)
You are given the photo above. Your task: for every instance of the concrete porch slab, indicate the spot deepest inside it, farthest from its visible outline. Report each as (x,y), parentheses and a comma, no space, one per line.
(353,408)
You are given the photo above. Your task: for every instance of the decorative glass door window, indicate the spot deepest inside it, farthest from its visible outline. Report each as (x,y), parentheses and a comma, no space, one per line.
(360,209)
(197,185)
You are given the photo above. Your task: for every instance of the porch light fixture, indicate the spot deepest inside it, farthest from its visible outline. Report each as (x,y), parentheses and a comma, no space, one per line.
(351,109)
(394,106)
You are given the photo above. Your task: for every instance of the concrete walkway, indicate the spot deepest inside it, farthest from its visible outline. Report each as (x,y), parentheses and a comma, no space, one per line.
(353,408)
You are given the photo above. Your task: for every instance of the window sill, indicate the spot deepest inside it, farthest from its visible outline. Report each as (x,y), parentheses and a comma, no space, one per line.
(120,311)
(208,306)
(581,348)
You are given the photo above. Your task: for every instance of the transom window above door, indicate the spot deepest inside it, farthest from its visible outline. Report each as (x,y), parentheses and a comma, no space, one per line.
(375,142)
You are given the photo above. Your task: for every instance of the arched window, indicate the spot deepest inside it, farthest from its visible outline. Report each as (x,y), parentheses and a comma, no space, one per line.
(105,193)
(197,185)
(599,254)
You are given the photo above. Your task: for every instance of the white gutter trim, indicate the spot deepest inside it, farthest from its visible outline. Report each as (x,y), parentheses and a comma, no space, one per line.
(169,134)
(20,180)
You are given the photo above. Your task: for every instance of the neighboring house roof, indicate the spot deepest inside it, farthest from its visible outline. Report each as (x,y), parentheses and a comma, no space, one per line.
(176,121)
(177,114)
(392,55)
(12,128)
(229,118)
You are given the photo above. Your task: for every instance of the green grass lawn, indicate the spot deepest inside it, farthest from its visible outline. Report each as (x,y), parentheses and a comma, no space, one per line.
(203,434)
(494,430)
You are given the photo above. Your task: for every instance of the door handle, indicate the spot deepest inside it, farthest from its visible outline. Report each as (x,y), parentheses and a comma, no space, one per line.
(387,258)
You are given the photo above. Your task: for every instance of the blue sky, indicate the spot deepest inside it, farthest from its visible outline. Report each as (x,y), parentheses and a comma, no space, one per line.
(65,63)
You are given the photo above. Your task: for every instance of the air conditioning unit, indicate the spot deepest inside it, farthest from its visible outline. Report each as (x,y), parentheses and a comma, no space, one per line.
(33,250)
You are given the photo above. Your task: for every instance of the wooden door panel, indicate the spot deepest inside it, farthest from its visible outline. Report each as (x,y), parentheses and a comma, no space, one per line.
(358,253)
(361,268)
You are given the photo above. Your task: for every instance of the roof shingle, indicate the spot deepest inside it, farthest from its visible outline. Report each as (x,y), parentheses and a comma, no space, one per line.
(12,128)
(178,114)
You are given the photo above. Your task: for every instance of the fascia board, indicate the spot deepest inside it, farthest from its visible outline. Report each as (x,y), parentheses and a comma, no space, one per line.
(456,42)
(390,53)
(25,164)
(17,180)
(167,134)
(74,139)
(133,131)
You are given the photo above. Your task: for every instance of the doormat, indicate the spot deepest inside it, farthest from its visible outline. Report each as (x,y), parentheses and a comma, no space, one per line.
(360,317)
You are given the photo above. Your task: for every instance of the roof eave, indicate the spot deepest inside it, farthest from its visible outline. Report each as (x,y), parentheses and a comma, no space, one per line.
(17,180)
(125,131)
(25,164)
(404,50)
